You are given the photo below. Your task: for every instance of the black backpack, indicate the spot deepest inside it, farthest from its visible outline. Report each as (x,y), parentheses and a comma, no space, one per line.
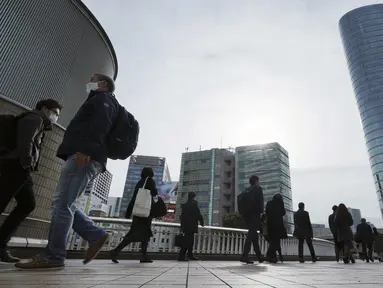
(8,132)
(244,202)
(122,140)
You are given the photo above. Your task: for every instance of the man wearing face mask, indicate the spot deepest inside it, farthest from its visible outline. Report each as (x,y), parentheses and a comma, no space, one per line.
(84,150)
(16,165)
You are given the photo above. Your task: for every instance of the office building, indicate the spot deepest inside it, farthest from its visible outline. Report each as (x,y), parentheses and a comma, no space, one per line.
(362,36)
(136,164)
(114,207)
(54,46)
(270,162)
(94,200)
(356,216)
(210,174)
(321,231)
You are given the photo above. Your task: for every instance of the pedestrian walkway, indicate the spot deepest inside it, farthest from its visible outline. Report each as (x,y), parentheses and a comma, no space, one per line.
(171,274)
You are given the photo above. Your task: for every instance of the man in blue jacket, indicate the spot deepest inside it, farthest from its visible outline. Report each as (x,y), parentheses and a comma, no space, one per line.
(85,154)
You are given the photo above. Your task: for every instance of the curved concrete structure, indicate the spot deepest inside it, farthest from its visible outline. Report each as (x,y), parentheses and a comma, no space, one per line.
(362,35)
(49,49)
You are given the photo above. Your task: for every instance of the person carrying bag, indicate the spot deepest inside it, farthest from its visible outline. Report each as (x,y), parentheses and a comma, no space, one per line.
(140,208)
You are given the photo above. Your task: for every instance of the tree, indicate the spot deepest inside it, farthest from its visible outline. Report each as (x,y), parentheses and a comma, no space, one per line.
(234,220)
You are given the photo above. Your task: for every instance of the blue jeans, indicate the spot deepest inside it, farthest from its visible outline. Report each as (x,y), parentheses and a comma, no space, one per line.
(65,215)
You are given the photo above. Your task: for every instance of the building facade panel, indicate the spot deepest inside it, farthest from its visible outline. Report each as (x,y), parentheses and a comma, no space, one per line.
(49,49)
(362,36)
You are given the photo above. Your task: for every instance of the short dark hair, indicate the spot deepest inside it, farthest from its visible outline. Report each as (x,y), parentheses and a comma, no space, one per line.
(363,220)
(334,208)
(109,81)
(49,104)
(253,179)
(301,205)
(147,172)
(192,195)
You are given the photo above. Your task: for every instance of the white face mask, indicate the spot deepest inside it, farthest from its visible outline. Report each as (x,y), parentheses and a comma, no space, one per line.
(53,118)
(91,86)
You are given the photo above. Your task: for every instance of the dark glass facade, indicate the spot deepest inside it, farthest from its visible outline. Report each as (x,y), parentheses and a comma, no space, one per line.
(49,49)
(362,36)
(270,162)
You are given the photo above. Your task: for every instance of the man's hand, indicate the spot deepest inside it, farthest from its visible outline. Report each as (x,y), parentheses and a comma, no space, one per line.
(81,159)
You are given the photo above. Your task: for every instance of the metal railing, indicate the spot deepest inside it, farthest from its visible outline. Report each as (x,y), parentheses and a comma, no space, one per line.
(210,240)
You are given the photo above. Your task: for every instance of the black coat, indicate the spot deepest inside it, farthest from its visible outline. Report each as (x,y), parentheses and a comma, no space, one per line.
(253,219)
(303,227)
(343,225)
(140,230)
(331,224)
(190,216)
(364,234)
(275,210)
(88,131)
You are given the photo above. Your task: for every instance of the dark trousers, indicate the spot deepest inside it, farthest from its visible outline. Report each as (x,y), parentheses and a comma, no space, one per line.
(126,241)
(338,247)
(188,246)
(309,242)
(251,238)
(15,182)
(274,247)
(364,250)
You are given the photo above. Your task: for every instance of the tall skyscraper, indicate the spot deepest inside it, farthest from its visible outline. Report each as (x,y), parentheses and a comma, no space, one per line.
(95,198)
(136,164)
(356,216)
(114,207)
(361,31)
(270,162)
(210,174)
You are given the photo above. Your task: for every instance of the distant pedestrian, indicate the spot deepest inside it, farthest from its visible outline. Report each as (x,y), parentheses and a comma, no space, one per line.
(20,157)
(378,245)
(251,207)
(365,237)
(275,210)
(343,222)
(304,232)
(331,223)
(190,217)
(140,230)
(85,151)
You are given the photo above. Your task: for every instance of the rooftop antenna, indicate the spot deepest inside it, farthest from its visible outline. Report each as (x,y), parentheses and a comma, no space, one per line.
(187,149)
(200,147)
(221,141)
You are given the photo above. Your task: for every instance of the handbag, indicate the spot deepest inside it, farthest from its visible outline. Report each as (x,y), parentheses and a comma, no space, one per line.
(159,208)
(179,240)
(143,203)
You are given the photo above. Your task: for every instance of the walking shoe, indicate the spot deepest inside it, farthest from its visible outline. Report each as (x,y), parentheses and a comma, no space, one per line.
(113,256)
(193,258)
(7,257)
(94,249)
(246,261)
(39,262)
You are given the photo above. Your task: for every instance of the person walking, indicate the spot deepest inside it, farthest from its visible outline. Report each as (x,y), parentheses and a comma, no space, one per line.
(333,230)
(251,207)
(275,210)
(84,150)
(378,244)
(17,163)
(304,232)
(190,216)
(343,222)
(365,237)
(140,230)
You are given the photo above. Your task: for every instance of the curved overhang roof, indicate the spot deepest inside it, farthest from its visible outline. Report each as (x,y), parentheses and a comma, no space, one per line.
(88,14)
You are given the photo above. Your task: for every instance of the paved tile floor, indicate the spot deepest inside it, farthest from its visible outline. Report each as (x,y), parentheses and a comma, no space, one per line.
(170,274)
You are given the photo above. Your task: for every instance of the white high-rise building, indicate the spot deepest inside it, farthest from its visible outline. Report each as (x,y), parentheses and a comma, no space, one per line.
(114,207)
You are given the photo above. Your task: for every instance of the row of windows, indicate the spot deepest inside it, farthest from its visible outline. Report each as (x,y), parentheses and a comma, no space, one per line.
(357,55)
(196,182)
(372,112)
(365,43)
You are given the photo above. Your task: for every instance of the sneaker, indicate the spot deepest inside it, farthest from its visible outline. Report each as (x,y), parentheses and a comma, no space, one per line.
(192,258)
(7,257)
(246,261)
(38,262)
(146,261)
(94,249)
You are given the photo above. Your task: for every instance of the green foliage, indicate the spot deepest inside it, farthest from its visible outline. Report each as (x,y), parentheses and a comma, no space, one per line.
(234,220)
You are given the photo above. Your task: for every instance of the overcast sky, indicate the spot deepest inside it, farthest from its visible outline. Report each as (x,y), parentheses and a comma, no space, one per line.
(249,71)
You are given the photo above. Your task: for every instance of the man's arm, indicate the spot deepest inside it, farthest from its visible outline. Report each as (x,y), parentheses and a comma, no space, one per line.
(104,111)
(200,217)
(261,205)
(27,129)
(310,226)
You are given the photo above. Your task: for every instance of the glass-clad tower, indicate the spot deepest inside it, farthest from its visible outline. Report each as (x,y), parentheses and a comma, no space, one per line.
(362,35)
